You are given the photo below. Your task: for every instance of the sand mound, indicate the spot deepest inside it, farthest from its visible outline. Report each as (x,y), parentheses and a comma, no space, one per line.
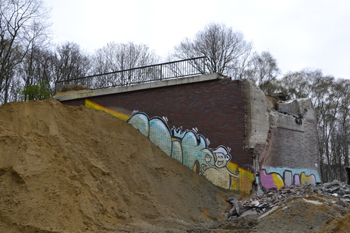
(305,214)
(73,169)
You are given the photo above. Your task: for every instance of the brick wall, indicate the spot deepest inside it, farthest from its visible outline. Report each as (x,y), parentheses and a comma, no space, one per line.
(216,108)
(295,149)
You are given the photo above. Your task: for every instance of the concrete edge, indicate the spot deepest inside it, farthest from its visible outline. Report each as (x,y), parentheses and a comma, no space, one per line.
(144,86)
(257,121)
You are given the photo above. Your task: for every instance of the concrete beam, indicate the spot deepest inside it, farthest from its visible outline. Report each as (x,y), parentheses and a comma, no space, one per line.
(144,86)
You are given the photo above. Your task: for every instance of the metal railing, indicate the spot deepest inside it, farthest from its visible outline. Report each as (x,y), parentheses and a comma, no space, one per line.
(164,71)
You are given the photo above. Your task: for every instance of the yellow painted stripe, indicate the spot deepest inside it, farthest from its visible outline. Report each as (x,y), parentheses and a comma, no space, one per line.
(90,104)
(233,166)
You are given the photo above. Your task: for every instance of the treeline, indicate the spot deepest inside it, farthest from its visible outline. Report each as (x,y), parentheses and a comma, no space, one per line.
(30,65)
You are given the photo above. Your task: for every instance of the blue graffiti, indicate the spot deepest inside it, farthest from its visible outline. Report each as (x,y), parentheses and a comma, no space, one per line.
(160,135)
(186,146)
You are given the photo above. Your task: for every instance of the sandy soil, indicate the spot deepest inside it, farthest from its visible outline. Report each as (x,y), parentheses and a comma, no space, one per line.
(74,169)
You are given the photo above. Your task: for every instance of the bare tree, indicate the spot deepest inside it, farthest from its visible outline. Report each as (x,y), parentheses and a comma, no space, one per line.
(122,56)
(297,84)
(223,47)
(33,68)
(21,22)
(70,62)
(37,68)
(262,69)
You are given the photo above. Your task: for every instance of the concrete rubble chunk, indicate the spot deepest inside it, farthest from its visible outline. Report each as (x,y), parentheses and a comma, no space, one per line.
(255,203)
(341,203)
(345,199)
(249,212)
(346,191)
(329,185)
(313,202)
(273,198)
(332,190)
(234,211)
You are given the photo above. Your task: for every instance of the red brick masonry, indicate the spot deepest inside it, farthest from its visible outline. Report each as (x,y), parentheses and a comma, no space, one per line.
(216,108)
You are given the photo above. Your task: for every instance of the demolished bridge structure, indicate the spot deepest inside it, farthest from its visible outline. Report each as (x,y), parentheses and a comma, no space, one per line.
(226,130)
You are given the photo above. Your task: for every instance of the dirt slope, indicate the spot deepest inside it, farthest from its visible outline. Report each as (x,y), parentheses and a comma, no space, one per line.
(73,169)
(309,214)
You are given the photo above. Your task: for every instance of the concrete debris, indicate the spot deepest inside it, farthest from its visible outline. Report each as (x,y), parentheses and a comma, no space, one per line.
(235,207)
(313,202)
(281,96)
(273,198)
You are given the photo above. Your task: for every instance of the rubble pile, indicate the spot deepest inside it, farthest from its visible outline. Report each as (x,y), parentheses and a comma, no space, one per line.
(335,192)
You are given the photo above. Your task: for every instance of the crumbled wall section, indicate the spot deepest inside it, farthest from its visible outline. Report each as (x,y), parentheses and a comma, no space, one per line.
(257,116)
(216,108)
(271,102)
(296,148)
(293,156)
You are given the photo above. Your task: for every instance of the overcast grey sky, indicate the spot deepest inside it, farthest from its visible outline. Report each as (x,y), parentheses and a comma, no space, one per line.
(298,33)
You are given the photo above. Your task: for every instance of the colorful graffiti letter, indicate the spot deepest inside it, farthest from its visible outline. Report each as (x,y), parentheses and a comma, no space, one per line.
(304,179)
(288,178)
(273,180)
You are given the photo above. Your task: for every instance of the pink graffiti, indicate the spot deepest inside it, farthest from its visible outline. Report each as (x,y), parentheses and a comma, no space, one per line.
(313,178)
(271,180)
(296,179)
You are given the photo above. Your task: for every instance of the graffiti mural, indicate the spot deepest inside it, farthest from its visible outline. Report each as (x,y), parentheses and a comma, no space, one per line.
(191,149)
(274,179)
(220,173)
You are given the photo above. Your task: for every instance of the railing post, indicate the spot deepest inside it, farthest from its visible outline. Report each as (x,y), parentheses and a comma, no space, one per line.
(161,72)
(204,60)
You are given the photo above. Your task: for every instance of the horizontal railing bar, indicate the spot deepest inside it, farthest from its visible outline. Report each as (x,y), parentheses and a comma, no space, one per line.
(144,74)
(131,69)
